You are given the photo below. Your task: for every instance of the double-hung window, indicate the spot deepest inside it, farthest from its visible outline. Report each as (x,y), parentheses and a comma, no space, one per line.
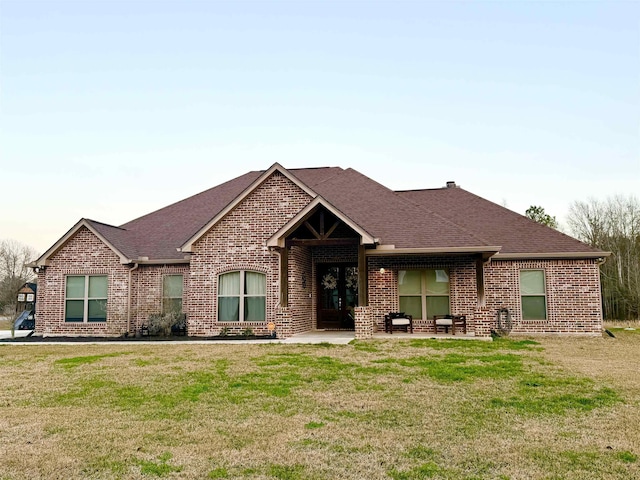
(172,293)
(86,298)
(424,293)
(242,297)
(532,295)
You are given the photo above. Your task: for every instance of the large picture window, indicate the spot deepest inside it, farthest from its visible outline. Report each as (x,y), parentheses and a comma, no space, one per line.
(172,293)
(86,298)
(424,293)
(242,297)
(533,295)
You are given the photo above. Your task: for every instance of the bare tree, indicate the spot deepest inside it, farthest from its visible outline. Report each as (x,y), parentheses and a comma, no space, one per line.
(613,225)
(14,257)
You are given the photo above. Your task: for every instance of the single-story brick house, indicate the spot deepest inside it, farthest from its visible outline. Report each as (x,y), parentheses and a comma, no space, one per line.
(319,248)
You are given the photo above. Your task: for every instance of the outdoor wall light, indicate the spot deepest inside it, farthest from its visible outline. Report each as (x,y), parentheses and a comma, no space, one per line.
(382,271)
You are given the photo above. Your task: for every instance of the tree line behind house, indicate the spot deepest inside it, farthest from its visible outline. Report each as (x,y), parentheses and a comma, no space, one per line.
(612,225)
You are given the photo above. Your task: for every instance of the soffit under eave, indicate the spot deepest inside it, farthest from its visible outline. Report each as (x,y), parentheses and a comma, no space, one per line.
(487,252)
(278,239)
(276,167)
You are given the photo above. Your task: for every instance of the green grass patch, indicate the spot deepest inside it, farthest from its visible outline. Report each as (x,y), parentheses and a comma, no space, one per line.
(473,345)
(364,346)
(286,472)
(422,453)
(159,468)
(457,367)
(539,394)
(625,330)
(314,425)
(73,362)
(218,473)
(627,457)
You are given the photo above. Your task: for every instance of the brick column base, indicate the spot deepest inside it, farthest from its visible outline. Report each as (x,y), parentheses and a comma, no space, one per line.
(484,321)
(364,322)
(283,322)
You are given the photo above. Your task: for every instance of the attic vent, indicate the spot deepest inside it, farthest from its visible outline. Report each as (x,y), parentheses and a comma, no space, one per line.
(451,184)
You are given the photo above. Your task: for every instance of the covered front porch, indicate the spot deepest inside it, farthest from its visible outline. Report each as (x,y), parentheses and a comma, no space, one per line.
(334,275)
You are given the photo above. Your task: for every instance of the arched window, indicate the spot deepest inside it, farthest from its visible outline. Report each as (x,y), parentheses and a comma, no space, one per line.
(242,297)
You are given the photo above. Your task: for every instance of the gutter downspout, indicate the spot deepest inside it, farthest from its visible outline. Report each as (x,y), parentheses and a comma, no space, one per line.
(135,267)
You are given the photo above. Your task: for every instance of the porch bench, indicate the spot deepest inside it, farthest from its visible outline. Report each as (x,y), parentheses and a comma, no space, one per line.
(398,319)
(449,321)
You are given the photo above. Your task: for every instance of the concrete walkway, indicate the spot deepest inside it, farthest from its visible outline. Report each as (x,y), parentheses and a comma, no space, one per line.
(312,337)
(322,336)
(17,333)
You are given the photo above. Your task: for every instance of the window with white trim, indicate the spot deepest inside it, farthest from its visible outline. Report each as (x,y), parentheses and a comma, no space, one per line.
(533,295)
(172,287)
(85,298)
(424,293)
(242,296)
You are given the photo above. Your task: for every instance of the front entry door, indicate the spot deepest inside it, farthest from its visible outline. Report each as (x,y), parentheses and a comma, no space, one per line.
(337,295)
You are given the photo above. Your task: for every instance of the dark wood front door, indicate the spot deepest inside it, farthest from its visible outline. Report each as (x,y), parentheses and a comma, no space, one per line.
(337,295)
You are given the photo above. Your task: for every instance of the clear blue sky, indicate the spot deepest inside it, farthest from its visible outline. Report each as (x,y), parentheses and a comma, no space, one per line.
(112,109)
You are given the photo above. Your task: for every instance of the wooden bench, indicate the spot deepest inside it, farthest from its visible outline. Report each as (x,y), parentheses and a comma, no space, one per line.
(450,321)
(398,319)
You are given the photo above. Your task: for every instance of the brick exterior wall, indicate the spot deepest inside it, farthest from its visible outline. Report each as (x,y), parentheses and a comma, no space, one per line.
(146,294)
(83,254)
(572,290)
(572,293)
(238,242)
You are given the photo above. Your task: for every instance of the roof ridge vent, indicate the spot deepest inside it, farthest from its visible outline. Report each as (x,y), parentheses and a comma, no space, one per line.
(451,184)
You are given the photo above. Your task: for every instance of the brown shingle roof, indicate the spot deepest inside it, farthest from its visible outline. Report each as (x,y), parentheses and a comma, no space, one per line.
(159,234)
(120,238)
(494,223)
(422,219)
(388,216)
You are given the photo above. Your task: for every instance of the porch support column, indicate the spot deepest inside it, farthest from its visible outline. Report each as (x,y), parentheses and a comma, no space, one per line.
(363,322)
(284,277)
(363,299)
(480,282)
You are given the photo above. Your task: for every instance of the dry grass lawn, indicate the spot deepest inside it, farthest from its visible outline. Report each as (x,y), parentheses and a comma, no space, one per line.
(553,408)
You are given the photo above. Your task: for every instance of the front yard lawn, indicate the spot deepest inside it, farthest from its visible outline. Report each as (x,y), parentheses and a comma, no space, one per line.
(412,409)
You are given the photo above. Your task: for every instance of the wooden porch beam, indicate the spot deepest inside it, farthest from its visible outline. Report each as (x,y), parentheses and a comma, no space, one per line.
(302,242)
(312,230)
(363,299)
(332,229)
(284,277)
